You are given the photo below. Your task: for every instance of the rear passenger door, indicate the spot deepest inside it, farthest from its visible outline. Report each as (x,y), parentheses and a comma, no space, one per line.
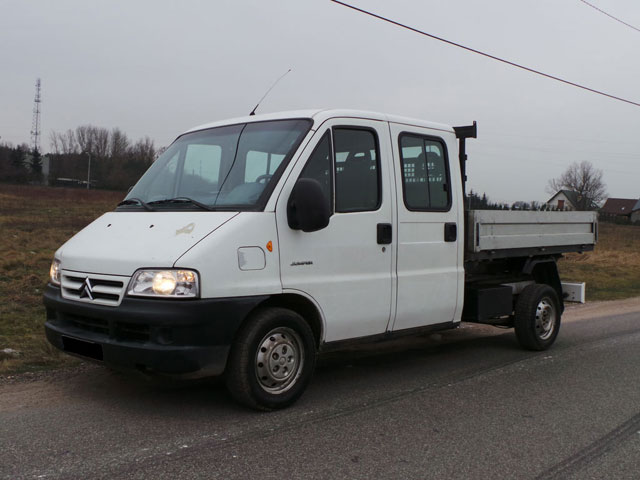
(343,267)
(429,266)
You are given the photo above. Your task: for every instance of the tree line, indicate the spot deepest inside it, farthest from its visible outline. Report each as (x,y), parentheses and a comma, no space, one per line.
(475,201)
(117,162)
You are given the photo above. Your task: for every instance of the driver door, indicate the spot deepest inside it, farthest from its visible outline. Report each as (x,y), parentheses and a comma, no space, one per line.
(345,268)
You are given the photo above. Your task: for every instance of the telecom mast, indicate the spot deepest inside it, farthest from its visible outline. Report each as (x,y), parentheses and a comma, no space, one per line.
(35,126)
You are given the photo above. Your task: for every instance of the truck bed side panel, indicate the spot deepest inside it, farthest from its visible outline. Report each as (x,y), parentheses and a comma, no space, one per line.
(492,232)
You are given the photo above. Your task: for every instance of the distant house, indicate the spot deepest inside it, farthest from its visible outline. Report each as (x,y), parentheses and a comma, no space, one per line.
(568,200)
(563,200)
(621,208)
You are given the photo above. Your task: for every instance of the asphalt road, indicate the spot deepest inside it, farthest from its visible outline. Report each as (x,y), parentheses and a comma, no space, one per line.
(463,404)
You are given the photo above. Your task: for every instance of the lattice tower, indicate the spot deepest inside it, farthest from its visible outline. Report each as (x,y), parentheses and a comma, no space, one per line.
(35,125)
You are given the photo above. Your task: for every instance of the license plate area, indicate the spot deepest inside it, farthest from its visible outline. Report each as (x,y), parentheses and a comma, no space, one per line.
(82,347)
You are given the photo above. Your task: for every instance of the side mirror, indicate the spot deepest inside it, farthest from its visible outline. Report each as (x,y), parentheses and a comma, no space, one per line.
(308,209)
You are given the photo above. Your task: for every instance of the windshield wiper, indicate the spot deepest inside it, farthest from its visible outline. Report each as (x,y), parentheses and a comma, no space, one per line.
(183,200)
(136,201)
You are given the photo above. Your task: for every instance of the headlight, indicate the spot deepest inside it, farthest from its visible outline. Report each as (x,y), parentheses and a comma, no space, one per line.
(164,283)
(54,272)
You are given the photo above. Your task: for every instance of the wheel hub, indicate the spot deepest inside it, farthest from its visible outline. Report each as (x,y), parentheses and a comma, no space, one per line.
(545,319)
(279,360)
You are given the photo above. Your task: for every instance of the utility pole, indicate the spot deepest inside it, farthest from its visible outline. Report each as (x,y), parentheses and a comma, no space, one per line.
(35,125)
(88,170)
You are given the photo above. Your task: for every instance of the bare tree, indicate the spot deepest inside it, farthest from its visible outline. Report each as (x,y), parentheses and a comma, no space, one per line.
(64,143)
(94,140)
(118,143)
(101,142)
(84,138)
(583,179)
(143,151)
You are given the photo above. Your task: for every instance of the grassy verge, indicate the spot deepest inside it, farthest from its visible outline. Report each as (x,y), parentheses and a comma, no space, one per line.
(34,222)
(612,271)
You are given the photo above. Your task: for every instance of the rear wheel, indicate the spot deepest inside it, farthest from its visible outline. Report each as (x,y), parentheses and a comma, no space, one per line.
(272,360)
(537,319)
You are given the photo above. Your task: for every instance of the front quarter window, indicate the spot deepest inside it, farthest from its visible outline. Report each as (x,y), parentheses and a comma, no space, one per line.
(228,168)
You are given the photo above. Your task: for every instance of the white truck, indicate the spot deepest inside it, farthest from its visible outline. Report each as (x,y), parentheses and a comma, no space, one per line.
(253,245)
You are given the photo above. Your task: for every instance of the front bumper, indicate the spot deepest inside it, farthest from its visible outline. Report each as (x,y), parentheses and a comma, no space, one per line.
(150,335)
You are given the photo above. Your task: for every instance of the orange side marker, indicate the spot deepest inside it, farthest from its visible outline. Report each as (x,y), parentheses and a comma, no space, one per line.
(270,246)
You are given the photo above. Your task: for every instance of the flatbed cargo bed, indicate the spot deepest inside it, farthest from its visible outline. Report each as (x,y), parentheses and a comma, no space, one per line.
(495,234)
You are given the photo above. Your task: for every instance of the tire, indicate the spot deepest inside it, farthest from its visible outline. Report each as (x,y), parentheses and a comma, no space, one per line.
(272,360)
(537,319)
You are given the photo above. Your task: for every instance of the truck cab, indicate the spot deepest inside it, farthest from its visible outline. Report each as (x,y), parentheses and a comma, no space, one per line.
(251,245)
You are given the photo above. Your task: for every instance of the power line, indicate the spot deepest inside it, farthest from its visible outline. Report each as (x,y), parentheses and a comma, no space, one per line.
(611,16)
(493,57)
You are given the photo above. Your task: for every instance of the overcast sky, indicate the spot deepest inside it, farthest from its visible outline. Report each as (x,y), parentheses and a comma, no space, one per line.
(156,68)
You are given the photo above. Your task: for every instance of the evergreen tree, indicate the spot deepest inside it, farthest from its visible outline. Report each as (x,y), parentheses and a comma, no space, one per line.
(36,163)
(18,171)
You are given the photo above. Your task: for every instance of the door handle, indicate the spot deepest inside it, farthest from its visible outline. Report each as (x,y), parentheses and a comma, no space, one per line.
(450,232)
(384,233)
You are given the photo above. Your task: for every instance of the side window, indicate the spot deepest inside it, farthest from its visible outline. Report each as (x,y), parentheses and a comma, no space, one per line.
(318,167)
(357,172)
(425,173)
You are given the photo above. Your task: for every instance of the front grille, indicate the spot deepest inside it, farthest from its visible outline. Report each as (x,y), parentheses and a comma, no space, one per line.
(93,288)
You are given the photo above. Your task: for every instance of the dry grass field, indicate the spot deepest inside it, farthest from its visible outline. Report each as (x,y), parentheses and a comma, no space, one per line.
(612,270)
(35,221)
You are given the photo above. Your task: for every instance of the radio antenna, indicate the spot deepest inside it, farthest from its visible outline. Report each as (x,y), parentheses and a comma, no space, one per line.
(253,112)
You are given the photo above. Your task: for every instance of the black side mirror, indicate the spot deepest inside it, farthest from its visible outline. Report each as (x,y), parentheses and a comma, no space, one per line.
(308,207)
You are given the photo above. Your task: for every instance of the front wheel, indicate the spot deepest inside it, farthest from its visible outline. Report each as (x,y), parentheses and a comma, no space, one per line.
(537,319)
(272,360)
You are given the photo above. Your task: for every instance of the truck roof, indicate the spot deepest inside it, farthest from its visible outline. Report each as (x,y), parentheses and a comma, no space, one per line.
(320,115)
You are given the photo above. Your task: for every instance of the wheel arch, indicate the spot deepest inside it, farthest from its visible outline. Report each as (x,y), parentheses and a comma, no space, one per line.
(545,271)
(302,305)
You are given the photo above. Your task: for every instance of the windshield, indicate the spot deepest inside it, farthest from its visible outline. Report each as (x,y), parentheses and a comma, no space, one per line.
(228,168)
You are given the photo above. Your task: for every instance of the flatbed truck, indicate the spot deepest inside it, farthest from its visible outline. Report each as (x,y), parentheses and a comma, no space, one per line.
(253,245)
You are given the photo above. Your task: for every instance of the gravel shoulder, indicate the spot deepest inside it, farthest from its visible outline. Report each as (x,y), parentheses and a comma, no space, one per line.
(575,312)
